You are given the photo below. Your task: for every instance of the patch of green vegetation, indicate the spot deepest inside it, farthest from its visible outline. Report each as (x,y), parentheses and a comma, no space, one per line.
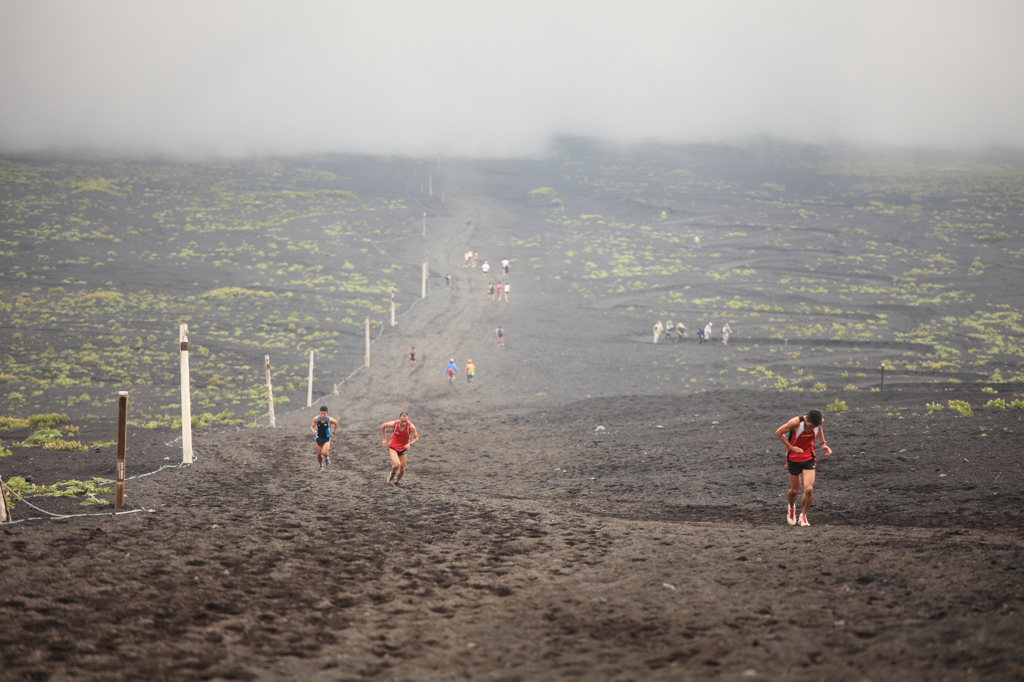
(42,437)
(70,488)
(934,407)
(962,407)
(12,423)
(37,420)
(542,192)
(71,445)
(837,406)
(997,403)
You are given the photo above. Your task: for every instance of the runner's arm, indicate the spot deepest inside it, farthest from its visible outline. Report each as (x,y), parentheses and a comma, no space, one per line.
(415,435)
(821,434)
(383,431)
(312,427)
(781,432)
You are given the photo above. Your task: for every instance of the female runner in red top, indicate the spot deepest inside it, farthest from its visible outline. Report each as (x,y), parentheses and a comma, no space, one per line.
(398,447)
(798,435)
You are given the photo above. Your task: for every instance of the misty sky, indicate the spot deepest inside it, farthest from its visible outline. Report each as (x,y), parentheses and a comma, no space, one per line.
(423,77)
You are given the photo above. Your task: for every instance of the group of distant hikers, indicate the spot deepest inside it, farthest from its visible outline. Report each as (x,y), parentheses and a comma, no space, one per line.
(668,332)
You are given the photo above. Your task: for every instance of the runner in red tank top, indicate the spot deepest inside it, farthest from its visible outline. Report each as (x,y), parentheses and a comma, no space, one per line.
(398,447)
(799,435)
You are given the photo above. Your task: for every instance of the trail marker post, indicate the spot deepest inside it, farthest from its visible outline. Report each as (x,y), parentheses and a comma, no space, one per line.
(882,387)
(186,398)
(309,392)
(423,287)
(430,180)
(5,513)
(424,224)
(367,342)
(270,394)
(122,447)
(393,307)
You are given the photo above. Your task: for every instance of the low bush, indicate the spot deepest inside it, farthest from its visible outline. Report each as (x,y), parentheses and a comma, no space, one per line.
(42,437)
(37,420)
(72,445)
(837,406)
(12,423)
(961,406)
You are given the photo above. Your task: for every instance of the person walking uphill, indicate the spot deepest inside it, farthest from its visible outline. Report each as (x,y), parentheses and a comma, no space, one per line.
(451,370)
(470,371)
(323,426)
(398,447)
(799,435)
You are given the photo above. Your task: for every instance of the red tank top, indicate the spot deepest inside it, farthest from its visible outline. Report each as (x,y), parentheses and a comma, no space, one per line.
(802,437)
(400,439)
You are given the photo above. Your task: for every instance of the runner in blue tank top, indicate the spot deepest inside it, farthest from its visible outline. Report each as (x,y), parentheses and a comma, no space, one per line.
(323,426)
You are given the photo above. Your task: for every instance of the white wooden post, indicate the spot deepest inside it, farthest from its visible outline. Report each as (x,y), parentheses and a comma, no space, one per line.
(186,398)
(270,394)
(431,181)
(5,513)
(309,392)
(423,287)
(367,342)
(393,307)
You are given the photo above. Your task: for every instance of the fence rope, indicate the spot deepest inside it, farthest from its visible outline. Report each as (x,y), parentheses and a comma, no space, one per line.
(4,486)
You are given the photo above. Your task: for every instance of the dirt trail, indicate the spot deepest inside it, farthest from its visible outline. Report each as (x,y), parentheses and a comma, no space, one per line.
(528,545)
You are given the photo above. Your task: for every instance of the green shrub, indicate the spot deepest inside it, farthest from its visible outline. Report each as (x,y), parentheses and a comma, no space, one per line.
(42,437)
(542,192)
(4,452)
(850,387)
(12,423)
(933,407)
(7,378)
(1017,404)
(998,403)
(837,406)
(961,406)
(72,445)
(38,420)
(819,388)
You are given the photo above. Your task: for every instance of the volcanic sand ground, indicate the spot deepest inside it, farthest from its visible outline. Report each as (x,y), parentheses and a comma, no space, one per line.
(525,544)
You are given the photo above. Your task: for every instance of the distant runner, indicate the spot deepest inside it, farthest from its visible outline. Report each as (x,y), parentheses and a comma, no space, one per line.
(412,357)
(798,435)
(507,287)
(470,371)
(485,268)
(500,333)
(322,426)
(447,282)
(504,267)
(451,370)
(490,291)
(398,446)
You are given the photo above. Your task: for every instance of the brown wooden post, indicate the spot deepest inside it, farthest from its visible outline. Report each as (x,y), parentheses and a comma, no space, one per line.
(122,446)
(5,513)
(882,387)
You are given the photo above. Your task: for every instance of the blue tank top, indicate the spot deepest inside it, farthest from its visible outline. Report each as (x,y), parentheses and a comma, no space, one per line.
(323,428)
